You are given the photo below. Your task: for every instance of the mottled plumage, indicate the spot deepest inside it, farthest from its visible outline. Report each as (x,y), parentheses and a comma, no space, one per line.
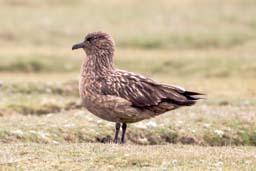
(120,96)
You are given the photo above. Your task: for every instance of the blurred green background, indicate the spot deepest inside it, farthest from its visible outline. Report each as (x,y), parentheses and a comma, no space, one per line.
(187,38)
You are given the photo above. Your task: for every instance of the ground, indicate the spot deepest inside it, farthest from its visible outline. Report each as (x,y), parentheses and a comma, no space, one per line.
(95,156)
(205,46)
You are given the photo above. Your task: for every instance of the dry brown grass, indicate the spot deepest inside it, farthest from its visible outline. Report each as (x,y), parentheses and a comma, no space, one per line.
(125,157)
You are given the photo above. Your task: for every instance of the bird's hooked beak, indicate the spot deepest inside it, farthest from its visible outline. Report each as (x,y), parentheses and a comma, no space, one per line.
(78,45)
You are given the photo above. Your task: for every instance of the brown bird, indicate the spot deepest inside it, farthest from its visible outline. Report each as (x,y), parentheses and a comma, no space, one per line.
(120,96)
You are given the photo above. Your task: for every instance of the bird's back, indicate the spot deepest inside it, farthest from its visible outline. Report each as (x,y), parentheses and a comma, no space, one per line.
(145,93)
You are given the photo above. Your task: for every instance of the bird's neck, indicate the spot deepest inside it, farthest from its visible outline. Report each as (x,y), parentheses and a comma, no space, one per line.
(98,64)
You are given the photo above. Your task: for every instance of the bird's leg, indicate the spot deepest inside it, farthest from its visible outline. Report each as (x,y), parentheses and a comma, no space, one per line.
(116,134)
(123,132)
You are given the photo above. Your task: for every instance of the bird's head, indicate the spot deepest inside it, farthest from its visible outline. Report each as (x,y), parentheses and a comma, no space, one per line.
(96,43)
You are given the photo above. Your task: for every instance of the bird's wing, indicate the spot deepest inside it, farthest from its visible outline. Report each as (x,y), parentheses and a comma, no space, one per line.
(142,92)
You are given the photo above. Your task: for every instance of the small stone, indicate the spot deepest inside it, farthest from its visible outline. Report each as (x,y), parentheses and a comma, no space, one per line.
(219,132)
(151,124)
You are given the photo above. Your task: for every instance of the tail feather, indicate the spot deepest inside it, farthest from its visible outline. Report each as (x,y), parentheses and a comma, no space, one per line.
(180,97)
(185,102)
(191,93)
(191,98)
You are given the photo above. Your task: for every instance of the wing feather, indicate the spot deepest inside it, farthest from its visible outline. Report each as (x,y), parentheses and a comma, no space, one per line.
(143,92)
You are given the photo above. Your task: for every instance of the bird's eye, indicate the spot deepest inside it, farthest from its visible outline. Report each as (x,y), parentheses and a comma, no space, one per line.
(90,38)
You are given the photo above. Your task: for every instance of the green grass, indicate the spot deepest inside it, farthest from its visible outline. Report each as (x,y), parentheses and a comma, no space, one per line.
(224,118)
(201,125)
(188,63)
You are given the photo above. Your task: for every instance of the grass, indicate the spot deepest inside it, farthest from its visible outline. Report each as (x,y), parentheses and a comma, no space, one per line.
(206,46)
(188,63)
(127,157)
(225,118)
(164,24)
(200,125)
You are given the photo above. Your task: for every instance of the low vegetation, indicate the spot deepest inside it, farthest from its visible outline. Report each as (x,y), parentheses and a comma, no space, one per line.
(214,121)
(125,157)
